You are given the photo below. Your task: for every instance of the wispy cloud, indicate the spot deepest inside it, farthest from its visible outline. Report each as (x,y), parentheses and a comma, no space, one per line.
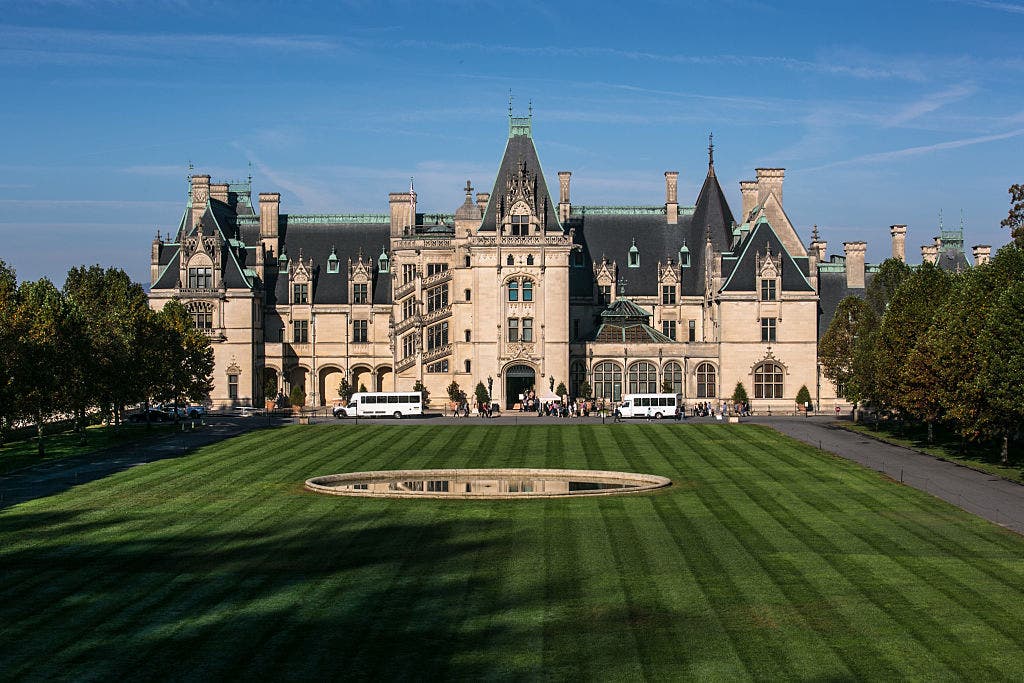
(1011,7)
(918,151)
(929,103)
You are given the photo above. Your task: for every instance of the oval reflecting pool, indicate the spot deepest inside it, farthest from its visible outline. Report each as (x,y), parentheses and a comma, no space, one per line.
(484,483)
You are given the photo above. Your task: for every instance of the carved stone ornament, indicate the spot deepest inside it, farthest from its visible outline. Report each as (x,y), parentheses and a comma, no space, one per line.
(521,186)
(517,350)
(769,355)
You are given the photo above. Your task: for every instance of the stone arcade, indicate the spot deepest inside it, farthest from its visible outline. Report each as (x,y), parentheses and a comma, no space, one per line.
(516,290)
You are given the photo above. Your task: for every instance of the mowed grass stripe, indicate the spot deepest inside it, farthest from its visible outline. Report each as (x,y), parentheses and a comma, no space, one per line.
(913,620)
(766,559)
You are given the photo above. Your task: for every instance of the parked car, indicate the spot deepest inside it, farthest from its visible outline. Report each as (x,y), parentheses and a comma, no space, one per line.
(155,415)
(185,412)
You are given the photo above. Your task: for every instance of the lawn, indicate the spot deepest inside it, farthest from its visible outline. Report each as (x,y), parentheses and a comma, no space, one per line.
(766,559)
(15,455)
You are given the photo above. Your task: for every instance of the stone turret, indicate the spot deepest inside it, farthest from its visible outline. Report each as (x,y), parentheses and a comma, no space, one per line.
(467,216)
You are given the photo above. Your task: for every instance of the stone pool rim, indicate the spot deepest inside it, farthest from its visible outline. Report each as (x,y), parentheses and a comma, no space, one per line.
(326,483)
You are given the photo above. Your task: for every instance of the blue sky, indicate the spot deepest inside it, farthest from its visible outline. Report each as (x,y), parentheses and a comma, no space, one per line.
(881,112)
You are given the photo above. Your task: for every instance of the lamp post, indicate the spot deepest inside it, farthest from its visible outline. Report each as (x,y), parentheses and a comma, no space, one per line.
(490,385)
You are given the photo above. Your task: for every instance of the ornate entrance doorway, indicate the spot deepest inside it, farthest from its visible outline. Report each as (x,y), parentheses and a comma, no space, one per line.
(519,379)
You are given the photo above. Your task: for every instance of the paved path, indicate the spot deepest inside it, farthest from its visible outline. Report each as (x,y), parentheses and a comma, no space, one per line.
(985,495)
(990,497)
(59,475)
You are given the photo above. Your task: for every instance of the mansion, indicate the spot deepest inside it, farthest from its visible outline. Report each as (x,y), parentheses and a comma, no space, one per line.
(515,290)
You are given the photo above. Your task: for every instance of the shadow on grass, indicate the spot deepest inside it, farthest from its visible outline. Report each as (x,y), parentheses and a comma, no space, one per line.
(359,595)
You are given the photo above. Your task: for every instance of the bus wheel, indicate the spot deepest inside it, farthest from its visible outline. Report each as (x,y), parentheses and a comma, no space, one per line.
(657,416)
(398,415)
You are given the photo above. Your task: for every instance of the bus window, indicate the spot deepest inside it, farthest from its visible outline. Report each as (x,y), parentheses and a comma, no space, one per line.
(392,399)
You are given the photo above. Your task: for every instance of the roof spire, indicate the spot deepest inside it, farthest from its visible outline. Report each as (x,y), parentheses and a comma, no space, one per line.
(814,232)
(531,109)
(711,149)
(510,102)
(940,220)
(469,189)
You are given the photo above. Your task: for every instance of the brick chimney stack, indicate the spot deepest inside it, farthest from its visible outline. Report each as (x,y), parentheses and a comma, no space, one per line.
(564,207)
(982,254)
(929,253)
(748,188)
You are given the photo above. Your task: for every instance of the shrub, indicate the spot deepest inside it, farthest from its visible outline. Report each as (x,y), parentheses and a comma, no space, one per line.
(345,390)
(739,394)
(561,390)
(803,396)
(423,392)
(481,393)
(298,396)
(585,390)
(455,394)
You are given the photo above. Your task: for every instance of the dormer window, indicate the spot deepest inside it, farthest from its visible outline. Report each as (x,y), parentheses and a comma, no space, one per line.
(520,225)
(383,262)
(684,256)
(300,293)
(634,256)
(332,262)
(282,263)
(768,289)
(576,259)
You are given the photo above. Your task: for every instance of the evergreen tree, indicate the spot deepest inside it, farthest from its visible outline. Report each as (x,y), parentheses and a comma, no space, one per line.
(455,394)
(297,397)
(345,390)
(803,396)
(481,393)
(420,387)
(739,394)
(560,390)
(879,292)
(585,391)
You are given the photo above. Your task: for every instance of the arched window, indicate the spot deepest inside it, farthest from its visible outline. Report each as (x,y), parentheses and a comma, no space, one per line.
(202,314)
(510,261)
(513,290)
(577,376)
(529,259)
(527,290)
(674,376)
(643,378)
(608,381)
(768,380)
(706,381)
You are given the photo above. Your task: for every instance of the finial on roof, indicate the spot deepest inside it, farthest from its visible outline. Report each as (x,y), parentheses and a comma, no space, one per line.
(250,172)
(814,232)
(940,219)
(711,149)
(510,102)
(961,220)
(531,109)
(469,189)
(620,290)
(707,233)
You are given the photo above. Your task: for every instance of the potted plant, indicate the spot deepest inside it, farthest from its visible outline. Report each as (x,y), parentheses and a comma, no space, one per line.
(270,392)
(297,398)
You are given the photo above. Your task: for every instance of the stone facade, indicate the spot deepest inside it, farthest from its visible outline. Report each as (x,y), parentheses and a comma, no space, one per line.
(512,289)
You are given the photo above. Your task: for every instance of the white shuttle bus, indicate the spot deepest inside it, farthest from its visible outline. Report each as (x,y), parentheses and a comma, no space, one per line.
(656,406)
(395,404)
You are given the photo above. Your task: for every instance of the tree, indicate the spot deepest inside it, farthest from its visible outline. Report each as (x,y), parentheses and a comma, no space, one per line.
(803,396)
(270,386)
(561,390)
(39,324)
(481,393)
(10,349)
(842,352)
(419,386)
(362,388)
(1003,376)
(739,394)
(297,397)
(345,390)
(584,390)
(907,320)
(1014,221)
(455,394)
(884,284)
(188,357)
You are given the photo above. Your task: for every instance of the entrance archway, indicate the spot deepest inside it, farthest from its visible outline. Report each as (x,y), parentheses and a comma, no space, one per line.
(519,379)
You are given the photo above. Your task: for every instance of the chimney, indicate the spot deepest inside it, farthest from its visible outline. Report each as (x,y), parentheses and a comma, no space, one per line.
(748,188)
(982,254)
(855,264)
(154,263)
(200,191)
(899,242)
(270,208)
(929,253)
(769,180)
(402,217)
(219,191)
(564,207)
(672,197)
(481,200)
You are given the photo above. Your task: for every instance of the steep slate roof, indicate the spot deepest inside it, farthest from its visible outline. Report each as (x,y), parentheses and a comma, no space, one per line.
(740,270)
(952,260)
(603,232)
(316,240)
(519,148)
